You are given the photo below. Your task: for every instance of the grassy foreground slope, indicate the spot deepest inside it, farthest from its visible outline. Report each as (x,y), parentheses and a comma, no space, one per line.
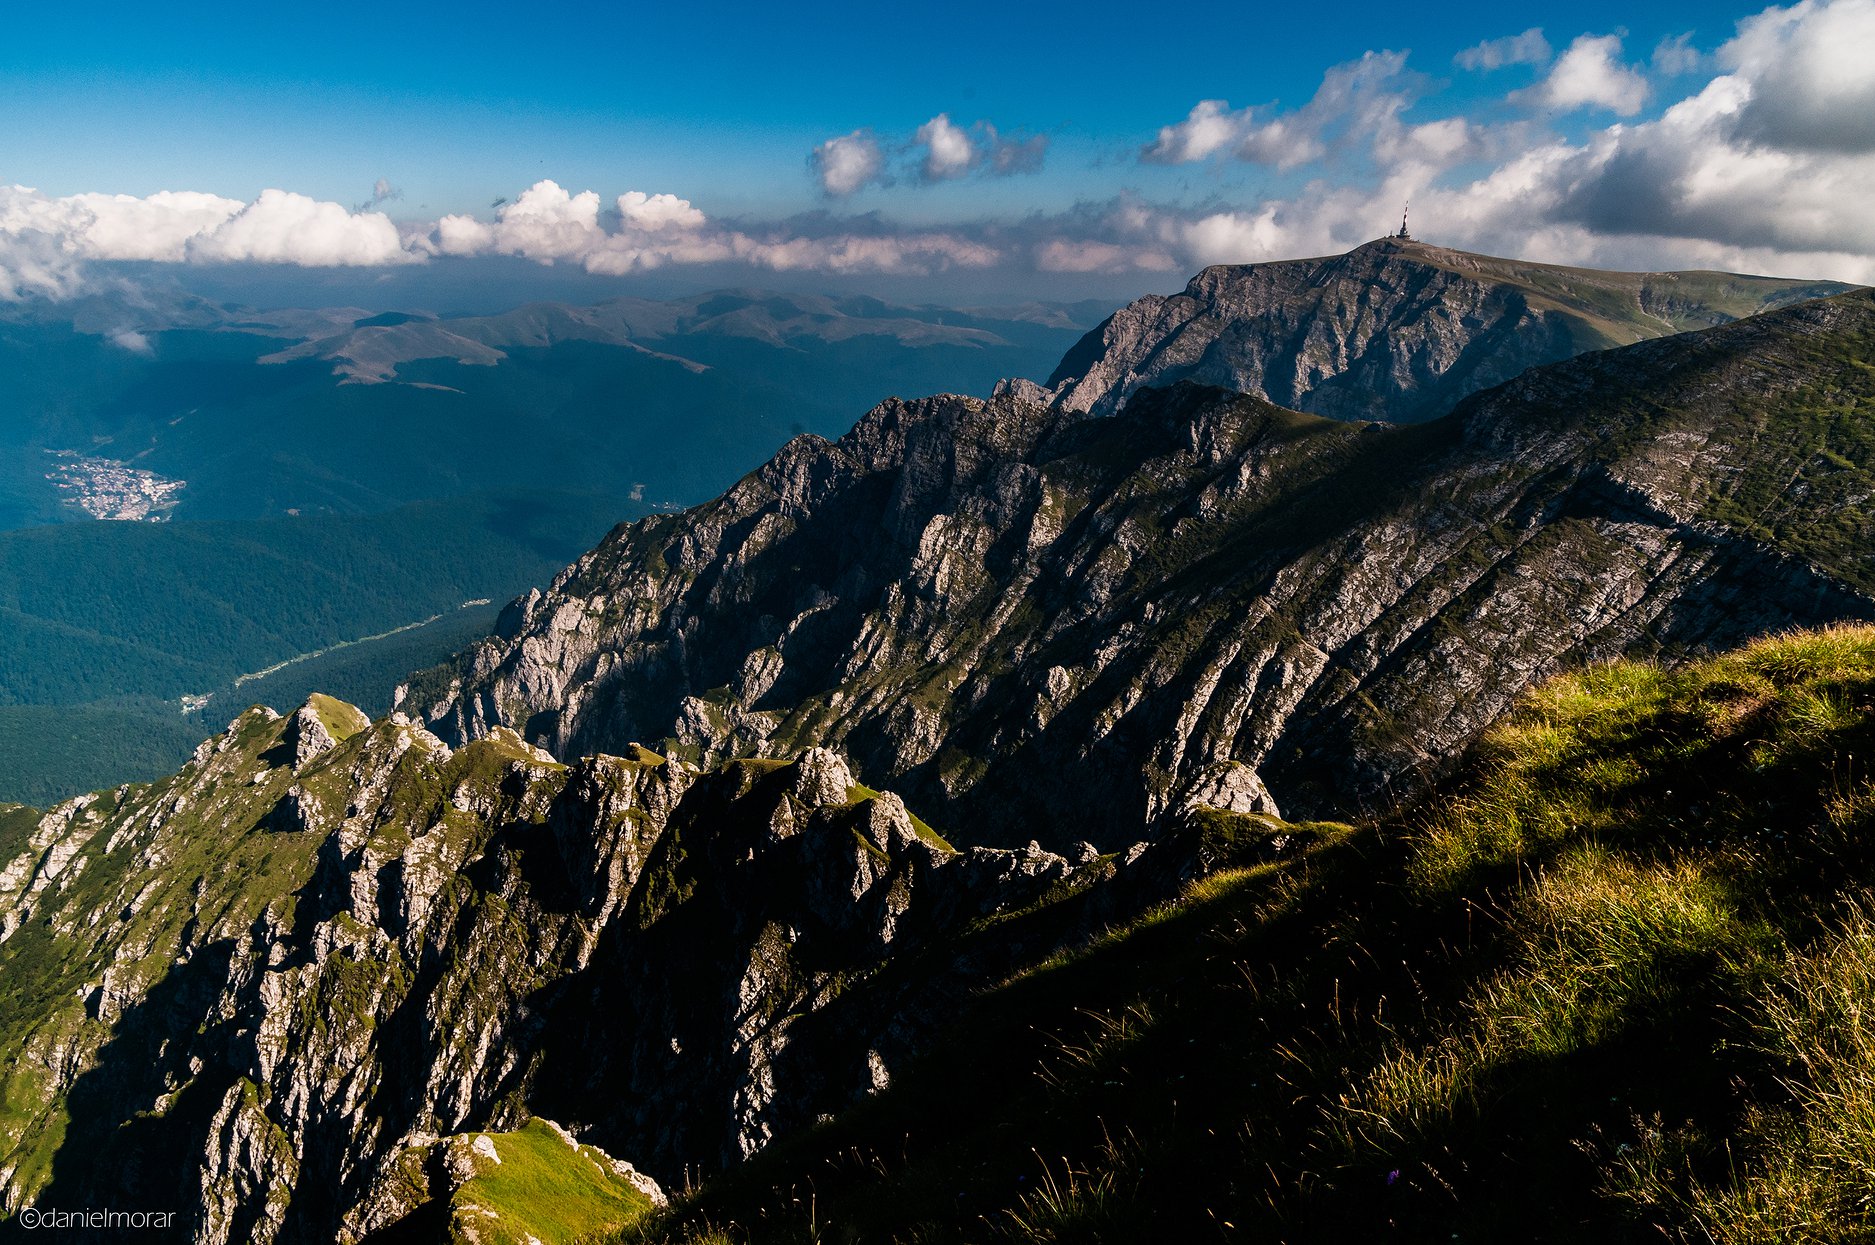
(1614,983)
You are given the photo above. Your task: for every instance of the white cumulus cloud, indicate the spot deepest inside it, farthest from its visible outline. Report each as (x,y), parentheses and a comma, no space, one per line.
(33,263)
(463,235)
(657,212)
(1357,102)
(1812,72)
(1528,48)
(547,223)
(948,151)
(1591,75)
(543,223)
(848,163)
(100,226)
(940,150)
(45,241)
(280,227)
(1208,128)
(1088,255)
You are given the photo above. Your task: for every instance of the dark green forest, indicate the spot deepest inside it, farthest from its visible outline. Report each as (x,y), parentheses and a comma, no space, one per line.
(104,627)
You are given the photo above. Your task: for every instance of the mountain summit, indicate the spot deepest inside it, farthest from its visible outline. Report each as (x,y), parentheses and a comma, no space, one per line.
(1396,329)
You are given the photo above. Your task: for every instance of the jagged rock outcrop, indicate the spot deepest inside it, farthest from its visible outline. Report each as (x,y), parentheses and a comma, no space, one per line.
(1395,330)
(268,1020)
(317,727)
(1039,624)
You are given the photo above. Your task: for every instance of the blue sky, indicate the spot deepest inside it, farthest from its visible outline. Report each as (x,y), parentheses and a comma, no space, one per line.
(724,106)
(720,101)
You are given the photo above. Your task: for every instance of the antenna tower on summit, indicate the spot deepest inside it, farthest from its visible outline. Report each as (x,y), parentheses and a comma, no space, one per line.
(1403,235)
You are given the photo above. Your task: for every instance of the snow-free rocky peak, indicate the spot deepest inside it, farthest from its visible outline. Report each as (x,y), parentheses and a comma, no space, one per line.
(1396,329)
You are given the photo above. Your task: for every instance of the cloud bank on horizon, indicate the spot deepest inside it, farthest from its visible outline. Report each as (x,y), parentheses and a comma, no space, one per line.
(1756,156)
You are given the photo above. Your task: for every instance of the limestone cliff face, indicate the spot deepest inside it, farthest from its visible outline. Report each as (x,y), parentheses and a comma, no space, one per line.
(268,992)
(1037,623)
(1394,330)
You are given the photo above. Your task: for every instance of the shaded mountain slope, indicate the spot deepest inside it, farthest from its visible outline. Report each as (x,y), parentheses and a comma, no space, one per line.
(1037,623)
(1610,986)
(1396,330)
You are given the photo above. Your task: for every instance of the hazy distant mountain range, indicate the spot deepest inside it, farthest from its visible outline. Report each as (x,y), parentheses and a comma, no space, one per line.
(690,332)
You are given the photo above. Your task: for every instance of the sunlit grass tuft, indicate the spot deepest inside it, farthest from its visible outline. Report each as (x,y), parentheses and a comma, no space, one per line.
(1815,1180)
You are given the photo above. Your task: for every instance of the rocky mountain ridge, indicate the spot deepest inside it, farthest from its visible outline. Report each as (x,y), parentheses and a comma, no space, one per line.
(1026,617)
(1396,330)
(275,986)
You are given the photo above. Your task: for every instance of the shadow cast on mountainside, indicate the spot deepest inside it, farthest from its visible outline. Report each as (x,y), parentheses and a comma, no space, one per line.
(118,1154)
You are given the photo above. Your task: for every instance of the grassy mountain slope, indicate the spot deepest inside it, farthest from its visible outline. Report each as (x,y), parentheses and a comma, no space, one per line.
(1620,308)
(534,1185)
(1609,984)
